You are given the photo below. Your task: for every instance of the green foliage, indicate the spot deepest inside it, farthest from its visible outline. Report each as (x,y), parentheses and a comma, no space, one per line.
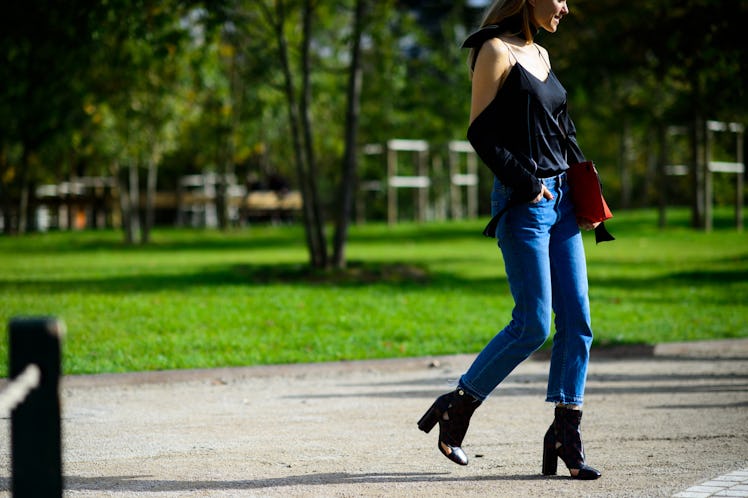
(136,100)
(43,51)
(195,86)
(639,65)
(197,299)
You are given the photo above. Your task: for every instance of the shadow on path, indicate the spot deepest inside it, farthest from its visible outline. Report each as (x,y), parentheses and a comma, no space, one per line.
(143,483)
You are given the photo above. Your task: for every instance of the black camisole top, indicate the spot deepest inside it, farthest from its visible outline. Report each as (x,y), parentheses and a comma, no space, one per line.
(544,103)
(525,133)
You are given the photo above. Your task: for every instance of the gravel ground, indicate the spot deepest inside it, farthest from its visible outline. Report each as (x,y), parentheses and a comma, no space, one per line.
(657,421)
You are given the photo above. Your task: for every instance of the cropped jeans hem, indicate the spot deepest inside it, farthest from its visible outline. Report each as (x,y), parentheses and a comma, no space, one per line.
(564,400)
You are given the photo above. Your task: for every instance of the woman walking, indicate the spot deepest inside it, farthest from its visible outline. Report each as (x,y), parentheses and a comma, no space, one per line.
(520,128)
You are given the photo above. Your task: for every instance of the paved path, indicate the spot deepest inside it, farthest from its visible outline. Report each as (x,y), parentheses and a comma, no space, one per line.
(669,422)
(732,484)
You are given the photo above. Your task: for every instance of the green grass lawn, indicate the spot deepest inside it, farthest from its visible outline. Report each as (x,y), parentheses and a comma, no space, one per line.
(197,299)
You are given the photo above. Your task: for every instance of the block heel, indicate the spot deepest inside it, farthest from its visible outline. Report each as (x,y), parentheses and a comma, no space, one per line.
(550,458)
(452,411)
(429,419)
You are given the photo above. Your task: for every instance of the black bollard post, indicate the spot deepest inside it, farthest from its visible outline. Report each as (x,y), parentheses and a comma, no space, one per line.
(36,445)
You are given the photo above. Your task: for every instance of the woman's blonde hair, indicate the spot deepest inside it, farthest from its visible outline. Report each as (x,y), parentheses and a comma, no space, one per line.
(501,10)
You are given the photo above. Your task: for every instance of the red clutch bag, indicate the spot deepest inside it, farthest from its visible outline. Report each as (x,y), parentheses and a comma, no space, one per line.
(586,192)
(587,197)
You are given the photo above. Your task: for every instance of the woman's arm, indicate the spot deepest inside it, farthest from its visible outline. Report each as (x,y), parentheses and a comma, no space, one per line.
(492,67)
(491,70)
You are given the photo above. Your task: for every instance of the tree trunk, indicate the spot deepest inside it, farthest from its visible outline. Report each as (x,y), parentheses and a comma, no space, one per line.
(150,202)
(124,199)
(320,258)
(698,148)
(222,155)
(661,175)
(698,170)
(221,187)
(222,205)
(23,202)
(131,204)
(6,206)
(313,242)
(625,164)
(350,166)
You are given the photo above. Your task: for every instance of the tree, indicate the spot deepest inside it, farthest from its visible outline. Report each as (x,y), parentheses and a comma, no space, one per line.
(300,121)
(685,65)
(44,50)
(158,88)
(138,69)
(297,87)
(350,165)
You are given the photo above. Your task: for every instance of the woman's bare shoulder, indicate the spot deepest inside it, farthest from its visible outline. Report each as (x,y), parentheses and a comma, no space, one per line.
(496,48)
(493,56)
(491,70)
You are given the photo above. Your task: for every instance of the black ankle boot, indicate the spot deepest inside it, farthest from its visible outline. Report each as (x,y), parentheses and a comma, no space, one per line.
(563,440)
(453,411)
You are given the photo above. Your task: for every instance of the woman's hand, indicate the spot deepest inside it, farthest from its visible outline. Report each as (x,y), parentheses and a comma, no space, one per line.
(586,224)
(544,192)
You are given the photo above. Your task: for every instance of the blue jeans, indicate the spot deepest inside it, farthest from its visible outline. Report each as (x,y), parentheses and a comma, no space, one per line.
(546,269)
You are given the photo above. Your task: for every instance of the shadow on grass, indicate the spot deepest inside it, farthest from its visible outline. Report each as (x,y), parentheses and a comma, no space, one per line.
(176,240)
(688,278)
(402,276)
(633,223)
(263,237)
